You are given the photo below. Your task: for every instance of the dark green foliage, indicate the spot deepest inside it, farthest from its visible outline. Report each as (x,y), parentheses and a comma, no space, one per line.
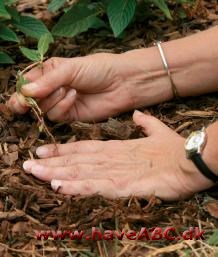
(13,24)
(80,17)
(85,14)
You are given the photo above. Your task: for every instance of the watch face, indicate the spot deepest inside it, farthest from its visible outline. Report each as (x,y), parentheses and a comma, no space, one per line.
(195,141)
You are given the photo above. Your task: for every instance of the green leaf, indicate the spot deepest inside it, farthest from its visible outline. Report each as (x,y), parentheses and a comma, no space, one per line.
(98,23)
(31,54)
(20,82)
(14,13)
(9,2)
(55,5)
(120,13)
(161,4)
(31,26)
(43,44)
(5,58)
(3,12)
(79,18)
(8,34)
(213,240)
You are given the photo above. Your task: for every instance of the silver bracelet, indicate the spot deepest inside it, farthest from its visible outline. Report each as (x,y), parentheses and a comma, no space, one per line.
(166,67)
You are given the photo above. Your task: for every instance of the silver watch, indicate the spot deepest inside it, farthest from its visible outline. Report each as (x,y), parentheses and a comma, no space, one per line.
(195,143)
(194,146)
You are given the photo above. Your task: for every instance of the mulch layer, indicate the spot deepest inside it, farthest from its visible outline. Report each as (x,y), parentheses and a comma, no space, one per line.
(27,204)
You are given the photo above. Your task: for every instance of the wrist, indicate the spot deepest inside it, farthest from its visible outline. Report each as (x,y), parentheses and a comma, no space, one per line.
(150,83)
(193,180)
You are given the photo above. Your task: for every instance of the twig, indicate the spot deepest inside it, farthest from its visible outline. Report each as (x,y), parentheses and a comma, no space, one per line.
(11,215)
(48,249)
(192,248)
(100,249)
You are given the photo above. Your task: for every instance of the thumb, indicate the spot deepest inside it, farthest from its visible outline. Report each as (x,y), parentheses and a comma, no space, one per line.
(49,82)
(150,124)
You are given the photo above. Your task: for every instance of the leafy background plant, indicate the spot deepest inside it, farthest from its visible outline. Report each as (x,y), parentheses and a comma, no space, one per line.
(13,25)
(79,17)
(82,15)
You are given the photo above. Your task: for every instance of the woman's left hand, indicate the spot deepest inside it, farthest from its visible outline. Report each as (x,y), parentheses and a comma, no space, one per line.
(154,165)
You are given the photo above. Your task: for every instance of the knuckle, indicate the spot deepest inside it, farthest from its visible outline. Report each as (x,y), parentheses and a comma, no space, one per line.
(54,61)
(75,113)
(52,117)
(76,146)
(88,186)
(139,172)
(66,161)
(120,183)
(74,172)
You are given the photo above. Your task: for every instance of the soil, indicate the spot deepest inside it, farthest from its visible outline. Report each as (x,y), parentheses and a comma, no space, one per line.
(27,204)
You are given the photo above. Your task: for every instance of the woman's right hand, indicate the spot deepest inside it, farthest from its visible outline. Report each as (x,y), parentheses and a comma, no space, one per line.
(90,88)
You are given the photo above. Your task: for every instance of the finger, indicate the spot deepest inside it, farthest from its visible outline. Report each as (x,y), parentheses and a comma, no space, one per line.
(60,112)
(104,187)
(67,160)
(79,171)
(48,65)
(46,104)
(86,158)
(49,82)
(80,147)
(34,73)
(17,104)
(150,124)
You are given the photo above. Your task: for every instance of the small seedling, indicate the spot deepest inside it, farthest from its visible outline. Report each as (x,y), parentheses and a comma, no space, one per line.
(37,56)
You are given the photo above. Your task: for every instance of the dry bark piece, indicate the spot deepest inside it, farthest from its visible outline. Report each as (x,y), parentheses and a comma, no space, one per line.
(212,208)
(202,114)
(21,228)
(112,129)
(5,111)
(10,158)
(11,215)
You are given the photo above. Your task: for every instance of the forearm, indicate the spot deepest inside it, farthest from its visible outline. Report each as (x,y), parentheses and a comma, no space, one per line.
(192,60)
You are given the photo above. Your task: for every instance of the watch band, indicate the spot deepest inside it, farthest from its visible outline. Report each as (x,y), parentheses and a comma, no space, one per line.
(204,169)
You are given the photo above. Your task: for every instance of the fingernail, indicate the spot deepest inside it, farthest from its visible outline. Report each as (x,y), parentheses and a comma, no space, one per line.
(37,169)
(30,87)
(27,165)
(42,151)
(71,93)
(56,184)
(61,91)
(137,112)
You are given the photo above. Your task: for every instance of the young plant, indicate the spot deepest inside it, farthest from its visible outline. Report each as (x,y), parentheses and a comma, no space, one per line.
(13,24)
(37,56)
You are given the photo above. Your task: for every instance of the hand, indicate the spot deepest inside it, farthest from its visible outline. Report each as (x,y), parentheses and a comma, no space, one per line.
(152,165)
(94,87)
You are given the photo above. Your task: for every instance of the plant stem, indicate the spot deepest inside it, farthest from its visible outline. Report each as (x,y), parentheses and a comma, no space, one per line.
(29,67)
